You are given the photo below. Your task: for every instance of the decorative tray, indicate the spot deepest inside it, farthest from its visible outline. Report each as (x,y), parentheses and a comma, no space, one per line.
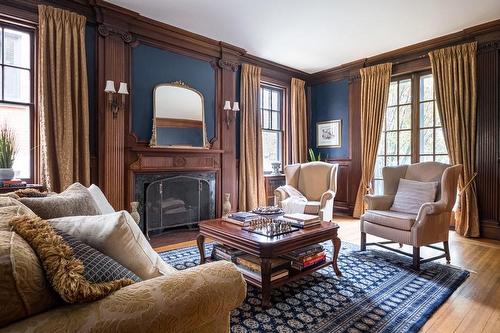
(270,210)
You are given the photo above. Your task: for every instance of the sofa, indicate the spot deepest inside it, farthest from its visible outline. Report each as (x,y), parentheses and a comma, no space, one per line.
(198,299)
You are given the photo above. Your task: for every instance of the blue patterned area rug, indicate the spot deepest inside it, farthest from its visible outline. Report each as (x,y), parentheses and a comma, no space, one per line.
(378,292)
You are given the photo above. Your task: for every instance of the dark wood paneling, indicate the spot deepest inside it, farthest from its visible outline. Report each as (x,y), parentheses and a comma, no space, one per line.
(271,183)
(488,145)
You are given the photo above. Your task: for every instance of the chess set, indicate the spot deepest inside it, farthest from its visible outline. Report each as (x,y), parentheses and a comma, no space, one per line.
(270,227)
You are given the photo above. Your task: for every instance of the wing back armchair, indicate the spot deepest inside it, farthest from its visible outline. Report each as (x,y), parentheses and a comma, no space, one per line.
(317,181)
(429,226)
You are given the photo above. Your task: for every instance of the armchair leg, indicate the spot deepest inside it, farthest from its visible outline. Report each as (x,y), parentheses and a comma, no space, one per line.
(447,251)
(363,241)
(416,258)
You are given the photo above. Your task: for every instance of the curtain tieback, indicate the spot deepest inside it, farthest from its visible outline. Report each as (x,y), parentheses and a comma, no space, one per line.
(468,183)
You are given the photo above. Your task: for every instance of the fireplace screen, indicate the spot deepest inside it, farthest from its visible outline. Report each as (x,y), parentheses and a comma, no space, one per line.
(176,201)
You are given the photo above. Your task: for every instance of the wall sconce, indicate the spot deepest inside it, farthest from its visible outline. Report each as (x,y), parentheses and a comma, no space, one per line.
(116,104)
(230,116)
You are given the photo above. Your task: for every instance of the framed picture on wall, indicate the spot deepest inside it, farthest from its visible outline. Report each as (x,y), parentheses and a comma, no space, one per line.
(329,134)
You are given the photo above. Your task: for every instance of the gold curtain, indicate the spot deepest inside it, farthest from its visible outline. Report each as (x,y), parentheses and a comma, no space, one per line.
(375,81)
(63,98)
(252,193)
(454,72)
(298,121)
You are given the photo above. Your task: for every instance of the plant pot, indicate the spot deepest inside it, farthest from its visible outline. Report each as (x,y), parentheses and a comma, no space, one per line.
(6,173)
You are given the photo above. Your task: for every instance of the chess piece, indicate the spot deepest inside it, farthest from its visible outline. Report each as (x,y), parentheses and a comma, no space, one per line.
(226,206)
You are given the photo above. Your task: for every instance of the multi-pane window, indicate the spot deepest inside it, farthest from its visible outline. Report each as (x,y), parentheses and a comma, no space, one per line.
(432,146)
(412,130)
(16,97)
(271,112)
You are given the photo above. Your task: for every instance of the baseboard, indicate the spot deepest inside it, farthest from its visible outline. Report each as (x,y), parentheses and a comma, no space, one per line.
(490,229)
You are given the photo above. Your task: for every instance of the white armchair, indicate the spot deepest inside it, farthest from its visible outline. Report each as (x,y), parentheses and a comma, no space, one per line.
(317,181)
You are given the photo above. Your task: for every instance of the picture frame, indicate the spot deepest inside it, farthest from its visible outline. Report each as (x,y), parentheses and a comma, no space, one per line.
(329,134)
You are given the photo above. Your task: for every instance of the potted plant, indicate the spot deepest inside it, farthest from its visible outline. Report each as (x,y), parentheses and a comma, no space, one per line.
(7,152)
(313,157)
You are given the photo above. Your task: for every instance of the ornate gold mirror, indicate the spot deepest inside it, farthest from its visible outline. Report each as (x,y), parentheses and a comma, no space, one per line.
(178,116)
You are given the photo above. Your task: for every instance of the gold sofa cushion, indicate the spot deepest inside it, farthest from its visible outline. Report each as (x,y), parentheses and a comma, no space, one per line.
(24,291)
(391,219)
(312,207)
(10,208)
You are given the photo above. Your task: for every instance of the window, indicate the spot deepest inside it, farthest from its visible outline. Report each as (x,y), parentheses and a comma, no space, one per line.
(412,130)
(271,112)
(16,93)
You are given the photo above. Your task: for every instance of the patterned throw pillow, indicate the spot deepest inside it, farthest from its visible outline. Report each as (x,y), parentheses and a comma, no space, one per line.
(77,272)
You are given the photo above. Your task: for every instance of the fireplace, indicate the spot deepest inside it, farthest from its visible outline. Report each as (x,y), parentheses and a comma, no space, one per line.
(171,199)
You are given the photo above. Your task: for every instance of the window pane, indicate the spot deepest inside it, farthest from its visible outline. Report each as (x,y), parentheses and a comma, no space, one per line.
(405,91)
(271,143)
(392,160)
(391,119)
(16,48)
(275,100)
(379,164)
(381,145)
(426,158)
(404,160)
(1,47)
(266,99)
(440,144)
(393,94)
(276,121)
(1,82)
(426,114)
(17,85)
(392,143)
(404,142)
(378,186)
(426,88)
(426,141)
(265,119)
(405,117)
(443,159)
(437,116)
(17,118)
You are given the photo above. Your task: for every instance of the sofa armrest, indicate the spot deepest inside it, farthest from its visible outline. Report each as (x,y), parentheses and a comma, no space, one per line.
(326,205)
(184,301)
(379,202)
(431,208)
(279,195)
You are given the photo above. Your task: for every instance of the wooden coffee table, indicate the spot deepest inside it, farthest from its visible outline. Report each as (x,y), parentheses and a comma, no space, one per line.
(267,248)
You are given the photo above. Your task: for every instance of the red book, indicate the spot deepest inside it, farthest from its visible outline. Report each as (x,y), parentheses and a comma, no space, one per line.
(315,260)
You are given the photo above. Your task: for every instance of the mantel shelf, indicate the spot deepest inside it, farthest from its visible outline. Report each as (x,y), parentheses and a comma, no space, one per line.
(184,150)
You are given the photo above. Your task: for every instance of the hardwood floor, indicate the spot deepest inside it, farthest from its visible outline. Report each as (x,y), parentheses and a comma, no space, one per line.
(473,307)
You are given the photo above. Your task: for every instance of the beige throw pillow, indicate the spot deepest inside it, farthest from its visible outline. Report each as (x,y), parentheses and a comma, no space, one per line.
(100,200)
(76,200)
(119,237)
(411,195)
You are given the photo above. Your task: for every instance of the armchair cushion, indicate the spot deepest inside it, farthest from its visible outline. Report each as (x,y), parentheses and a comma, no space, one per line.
(396,220)
(411,195)
(312,207)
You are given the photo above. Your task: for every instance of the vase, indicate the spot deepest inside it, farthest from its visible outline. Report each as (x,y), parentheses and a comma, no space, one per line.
(6,173)
(134,213)
(276,168)
(226,206)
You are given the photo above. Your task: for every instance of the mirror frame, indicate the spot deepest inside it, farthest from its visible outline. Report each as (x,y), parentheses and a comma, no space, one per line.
(179,84)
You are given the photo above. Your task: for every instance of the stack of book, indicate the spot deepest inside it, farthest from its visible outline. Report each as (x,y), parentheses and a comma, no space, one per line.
(307,257)
(222,252)
(303,220)
(250,265)
(14,183)
(241,218)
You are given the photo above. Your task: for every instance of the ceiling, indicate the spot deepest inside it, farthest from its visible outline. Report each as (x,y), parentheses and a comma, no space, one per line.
(318,34)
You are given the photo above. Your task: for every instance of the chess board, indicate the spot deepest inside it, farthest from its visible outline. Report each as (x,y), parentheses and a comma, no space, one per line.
(270,227)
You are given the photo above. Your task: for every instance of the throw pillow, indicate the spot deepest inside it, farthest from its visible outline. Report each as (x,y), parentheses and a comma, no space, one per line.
(77,272)
(118,236)
(9,208)
(411,195)
(75,200)
(30,192)
(24,291)
(100,200)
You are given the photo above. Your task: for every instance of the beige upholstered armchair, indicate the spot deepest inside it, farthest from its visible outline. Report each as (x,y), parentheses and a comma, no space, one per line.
(429,226)
(317,181)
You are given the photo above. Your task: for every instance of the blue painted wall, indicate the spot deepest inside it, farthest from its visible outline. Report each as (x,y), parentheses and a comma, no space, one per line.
(90,53)
(330,101)
(179,136)
(151,66)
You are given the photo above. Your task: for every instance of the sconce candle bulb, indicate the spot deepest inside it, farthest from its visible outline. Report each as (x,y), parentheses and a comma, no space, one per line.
(230,116)
(116,105)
